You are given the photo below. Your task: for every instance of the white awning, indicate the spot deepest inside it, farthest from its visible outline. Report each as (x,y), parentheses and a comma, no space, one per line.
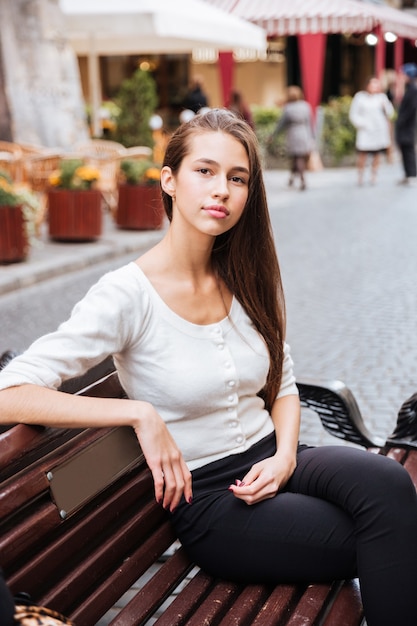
(154,26)
(297,17)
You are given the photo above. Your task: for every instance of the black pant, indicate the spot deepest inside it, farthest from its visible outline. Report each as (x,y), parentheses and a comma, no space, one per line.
(344,513)
(408,155)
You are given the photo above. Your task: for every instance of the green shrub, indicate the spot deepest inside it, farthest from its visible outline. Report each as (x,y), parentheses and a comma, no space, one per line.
(338,135)
(265,120)
(137,100)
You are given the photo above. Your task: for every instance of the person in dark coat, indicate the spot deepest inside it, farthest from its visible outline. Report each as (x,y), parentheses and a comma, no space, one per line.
(195,99)
(405,127)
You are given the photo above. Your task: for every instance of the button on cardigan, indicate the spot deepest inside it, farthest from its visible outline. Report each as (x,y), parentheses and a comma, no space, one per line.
(202,379)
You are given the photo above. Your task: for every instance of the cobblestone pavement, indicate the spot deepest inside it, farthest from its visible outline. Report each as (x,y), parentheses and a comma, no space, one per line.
(348,258)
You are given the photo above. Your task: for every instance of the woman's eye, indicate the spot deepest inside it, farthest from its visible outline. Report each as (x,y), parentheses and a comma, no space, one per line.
(238,179)
(203,170)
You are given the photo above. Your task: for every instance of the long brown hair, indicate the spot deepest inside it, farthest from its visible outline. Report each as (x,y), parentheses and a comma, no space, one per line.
(244,257)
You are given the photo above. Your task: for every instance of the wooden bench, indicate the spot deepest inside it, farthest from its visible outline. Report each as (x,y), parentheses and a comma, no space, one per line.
(79,526)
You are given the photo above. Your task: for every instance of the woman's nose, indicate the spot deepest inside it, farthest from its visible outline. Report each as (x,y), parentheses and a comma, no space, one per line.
(220,187)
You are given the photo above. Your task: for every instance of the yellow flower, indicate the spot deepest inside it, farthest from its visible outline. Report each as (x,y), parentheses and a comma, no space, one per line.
(4,184)
(87,173)
(153,173)
(55,178)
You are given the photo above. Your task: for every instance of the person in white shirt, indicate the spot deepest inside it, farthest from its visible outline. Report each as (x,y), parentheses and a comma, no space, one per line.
(196,327)
(371,113)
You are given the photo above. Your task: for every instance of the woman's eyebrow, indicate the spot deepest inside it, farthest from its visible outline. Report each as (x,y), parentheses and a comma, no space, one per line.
(235,168)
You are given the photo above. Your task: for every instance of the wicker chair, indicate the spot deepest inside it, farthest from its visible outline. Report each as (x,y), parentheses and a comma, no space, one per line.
(11,160)
(137,153)
(29,150)
(104,155)
(38,168)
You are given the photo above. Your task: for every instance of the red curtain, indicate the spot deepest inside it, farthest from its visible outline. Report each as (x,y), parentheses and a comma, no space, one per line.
(226,67)
(312,51)
(379,52)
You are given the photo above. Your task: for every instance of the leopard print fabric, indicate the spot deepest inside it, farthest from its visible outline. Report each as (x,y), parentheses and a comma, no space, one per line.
(39,616)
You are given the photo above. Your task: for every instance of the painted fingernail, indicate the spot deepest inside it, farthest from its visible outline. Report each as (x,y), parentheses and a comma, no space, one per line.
(239,483)
(190,500)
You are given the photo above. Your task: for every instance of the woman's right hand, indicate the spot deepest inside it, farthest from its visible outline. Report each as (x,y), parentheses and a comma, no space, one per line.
(171,476)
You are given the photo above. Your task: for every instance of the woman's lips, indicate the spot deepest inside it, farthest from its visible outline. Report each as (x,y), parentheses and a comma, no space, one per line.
(217,211)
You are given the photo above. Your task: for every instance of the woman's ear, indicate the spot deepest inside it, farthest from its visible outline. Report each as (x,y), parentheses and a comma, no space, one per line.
(167,180)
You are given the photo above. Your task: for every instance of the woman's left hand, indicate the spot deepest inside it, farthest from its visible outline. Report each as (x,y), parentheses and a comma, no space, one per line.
(265,479)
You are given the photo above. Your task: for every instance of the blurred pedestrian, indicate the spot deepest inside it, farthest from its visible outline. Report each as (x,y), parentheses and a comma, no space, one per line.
(370,113)
(240,108)
(297,121)
(405,127)
(195,98)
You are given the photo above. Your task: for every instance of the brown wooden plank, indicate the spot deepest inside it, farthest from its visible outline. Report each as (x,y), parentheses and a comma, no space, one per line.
(18,490)
(107,554)
(279,605)
(215,606)
(410,464)
(16,544)
(15,441)
(144,604)
(347,605)
(105,514)
(312,604)
(398,454)
(113,585)
(247,605)
(186,603)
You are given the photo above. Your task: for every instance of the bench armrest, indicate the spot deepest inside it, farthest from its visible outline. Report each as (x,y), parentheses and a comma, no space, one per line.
(405,432)
(338,411)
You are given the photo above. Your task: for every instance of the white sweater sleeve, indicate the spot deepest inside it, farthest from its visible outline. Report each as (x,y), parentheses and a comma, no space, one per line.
(288,386)
(99,326)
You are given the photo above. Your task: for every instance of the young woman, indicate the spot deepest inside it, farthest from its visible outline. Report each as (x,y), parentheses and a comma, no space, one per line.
(197,330)
(297,121)
(370,113)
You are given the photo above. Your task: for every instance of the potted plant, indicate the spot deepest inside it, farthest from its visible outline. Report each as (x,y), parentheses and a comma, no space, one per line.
(139,203)
(74,204)
(19,211)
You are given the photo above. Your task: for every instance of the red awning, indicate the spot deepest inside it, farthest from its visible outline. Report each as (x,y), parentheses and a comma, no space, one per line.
(297,17)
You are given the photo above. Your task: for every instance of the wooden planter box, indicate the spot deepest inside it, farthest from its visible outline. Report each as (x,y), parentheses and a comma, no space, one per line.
(13,238)
(140,207)
(74,215)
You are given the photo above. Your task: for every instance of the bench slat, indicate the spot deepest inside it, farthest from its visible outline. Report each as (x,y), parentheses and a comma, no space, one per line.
(16,545)
(186,603)
(74,533)
(278,605)
(249,603)
(152,595)
(123,576)
(216,604)
(313,603)
(347,602)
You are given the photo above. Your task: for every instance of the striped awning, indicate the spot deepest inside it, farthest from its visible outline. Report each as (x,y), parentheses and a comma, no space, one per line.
(294,17)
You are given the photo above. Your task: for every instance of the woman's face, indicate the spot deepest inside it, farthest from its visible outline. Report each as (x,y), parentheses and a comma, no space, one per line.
(210,189)
(374,86)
